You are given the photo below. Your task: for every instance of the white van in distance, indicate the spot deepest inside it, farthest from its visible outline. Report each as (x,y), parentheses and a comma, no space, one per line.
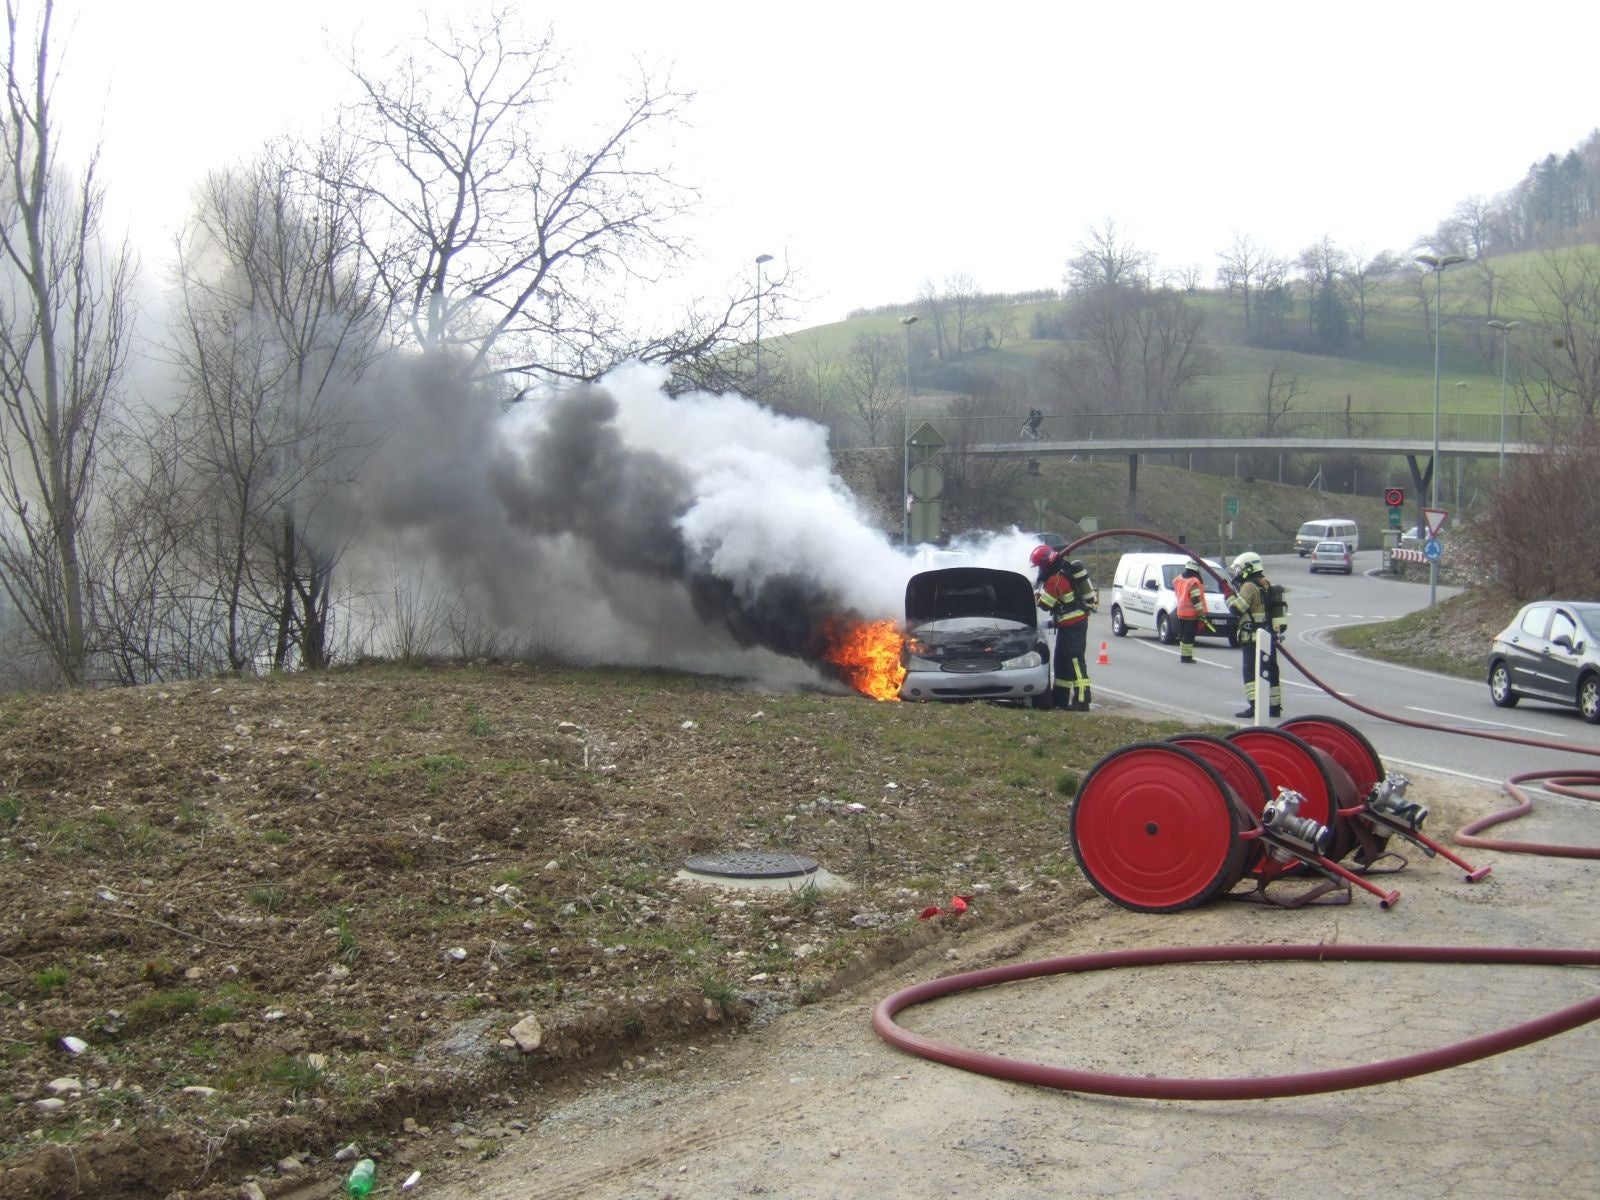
(1327,529)
(1142,597)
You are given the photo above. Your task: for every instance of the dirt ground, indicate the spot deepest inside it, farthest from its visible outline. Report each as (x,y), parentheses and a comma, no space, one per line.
(816,1105)
(250,926)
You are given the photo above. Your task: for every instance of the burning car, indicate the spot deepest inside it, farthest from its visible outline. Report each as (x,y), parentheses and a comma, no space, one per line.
(972,634)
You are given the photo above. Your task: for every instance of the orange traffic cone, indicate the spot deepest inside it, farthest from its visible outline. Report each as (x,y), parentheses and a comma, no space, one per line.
(1105,659)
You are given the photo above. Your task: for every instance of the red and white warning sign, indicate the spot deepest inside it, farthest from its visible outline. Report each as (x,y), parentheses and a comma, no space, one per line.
(1434,519)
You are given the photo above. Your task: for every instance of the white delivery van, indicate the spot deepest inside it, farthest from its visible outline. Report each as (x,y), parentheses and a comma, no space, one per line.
(1327,529)
(1142,597)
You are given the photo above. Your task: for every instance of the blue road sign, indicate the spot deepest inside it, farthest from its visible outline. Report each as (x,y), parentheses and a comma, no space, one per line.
(1432,550)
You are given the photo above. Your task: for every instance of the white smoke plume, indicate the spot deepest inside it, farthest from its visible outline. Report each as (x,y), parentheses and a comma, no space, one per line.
(619,524)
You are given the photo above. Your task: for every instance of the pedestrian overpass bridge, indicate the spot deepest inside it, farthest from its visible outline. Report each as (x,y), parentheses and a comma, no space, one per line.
(1412,436)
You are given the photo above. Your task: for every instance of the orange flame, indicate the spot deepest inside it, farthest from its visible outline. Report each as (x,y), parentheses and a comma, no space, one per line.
(866,654)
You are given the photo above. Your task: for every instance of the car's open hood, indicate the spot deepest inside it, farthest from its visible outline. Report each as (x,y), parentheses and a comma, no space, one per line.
(969,592)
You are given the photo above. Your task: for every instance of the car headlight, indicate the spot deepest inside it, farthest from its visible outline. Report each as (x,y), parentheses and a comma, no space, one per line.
(1030,659)
(914,662)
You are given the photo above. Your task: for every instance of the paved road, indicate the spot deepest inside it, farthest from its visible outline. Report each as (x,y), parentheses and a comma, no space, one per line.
(1145,672)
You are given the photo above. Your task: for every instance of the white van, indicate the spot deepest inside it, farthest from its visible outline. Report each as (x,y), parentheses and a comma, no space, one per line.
(1327,529)
(1142,597)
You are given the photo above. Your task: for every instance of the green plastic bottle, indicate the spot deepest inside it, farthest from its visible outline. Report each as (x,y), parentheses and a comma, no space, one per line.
(362,1176)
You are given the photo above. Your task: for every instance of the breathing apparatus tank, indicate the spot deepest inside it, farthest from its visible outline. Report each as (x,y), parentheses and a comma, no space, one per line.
(1277,608)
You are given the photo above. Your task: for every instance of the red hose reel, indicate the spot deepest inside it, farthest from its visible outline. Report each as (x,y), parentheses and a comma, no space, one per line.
(1167,826)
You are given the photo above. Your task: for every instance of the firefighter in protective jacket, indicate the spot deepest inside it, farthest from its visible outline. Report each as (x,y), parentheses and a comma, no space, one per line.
(1064,590)
(1191,596)
(1259,602)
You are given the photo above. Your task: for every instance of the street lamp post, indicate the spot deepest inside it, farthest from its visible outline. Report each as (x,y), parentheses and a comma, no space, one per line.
(1436,263)
(760,259)
(905,439)
(1504,328)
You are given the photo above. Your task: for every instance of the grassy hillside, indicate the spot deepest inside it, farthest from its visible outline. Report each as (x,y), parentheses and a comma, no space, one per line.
(1391,370)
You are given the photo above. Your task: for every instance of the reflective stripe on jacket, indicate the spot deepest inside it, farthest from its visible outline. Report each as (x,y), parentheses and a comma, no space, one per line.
(1057,596)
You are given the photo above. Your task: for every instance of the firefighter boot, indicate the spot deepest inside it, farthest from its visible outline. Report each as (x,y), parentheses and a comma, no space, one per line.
(1083,700)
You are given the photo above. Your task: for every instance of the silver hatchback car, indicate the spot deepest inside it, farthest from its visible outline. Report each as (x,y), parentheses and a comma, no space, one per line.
(1332,556)
(1550,652)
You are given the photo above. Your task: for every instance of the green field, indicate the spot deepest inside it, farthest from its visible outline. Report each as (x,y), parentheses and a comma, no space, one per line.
(1390,371)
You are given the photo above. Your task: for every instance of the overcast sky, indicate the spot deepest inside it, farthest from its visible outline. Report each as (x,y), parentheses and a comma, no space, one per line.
(876,146)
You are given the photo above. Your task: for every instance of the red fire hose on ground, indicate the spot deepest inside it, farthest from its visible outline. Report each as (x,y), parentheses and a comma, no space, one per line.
(1210,793)
(1244,1087)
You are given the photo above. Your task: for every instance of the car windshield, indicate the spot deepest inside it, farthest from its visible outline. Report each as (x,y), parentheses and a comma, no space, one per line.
(1170,571)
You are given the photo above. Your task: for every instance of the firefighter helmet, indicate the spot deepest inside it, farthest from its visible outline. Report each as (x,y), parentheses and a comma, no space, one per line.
(1041,554)
(1192,571)
(1248,564)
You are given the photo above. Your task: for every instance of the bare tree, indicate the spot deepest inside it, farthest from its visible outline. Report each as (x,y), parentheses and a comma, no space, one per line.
(872,377)
(815,383)
(979,490)
(936,311)
(1538,556)
(1107,257)
(1185,279)
(1468,230)
(496,242)
(278,326)
(1422,291)
(65,311)
(1172,351)
(1364,280)
(1282,388)
(1560,375)
(1242,267)
(155,617)
(1322,265)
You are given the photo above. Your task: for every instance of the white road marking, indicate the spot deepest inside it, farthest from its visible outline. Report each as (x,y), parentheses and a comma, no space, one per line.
(1434,712)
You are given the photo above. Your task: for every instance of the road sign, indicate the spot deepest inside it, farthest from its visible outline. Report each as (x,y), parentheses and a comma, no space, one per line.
(1394,497)
(1432,550)
(927,481)
(1232,505)
(1394,518)
(1434,519)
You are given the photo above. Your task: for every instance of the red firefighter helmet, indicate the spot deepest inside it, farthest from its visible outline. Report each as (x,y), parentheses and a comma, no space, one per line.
(1041,554)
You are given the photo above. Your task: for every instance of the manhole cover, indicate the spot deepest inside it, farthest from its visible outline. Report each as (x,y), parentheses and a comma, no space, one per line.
(751,864)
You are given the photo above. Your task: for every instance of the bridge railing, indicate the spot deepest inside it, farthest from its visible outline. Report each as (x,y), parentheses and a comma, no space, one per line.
(1389,426)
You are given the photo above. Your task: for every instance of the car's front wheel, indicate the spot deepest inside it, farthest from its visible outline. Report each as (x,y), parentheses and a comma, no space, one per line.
(1500,687)
(1119,627)
(1589,698)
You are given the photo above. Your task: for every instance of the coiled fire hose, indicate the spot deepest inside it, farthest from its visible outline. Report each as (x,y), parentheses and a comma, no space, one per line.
(1242,1087)
(1574,783)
